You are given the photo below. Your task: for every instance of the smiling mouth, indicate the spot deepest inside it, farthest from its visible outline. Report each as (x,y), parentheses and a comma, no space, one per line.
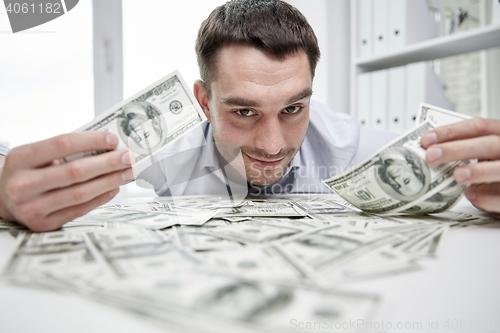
(263,164)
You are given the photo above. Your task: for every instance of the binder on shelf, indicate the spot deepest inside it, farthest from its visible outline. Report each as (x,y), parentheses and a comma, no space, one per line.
(409,22)
(364,100)
(365,28)
(380,99)
(422,86)
(380,37)
(397,99)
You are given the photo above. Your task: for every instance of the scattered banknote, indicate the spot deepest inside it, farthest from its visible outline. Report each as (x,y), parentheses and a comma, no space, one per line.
(8,225)
(218,275)
(397,178)
(259,209)
(201,239)
(38,252)
(198,301)
(438,116)
(149,219)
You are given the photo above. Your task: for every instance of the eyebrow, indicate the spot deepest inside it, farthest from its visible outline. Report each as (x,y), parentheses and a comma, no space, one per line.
(241,101)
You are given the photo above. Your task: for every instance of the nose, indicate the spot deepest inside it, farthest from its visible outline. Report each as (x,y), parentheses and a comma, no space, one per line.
(271,135)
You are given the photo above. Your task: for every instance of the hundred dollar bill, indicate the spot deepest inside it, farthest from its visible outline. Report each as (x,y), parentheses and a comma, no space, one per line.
(150,119)
(200,239)
(256,231)
(36,252)
(150,220)
(207,302)
(135,252)
(271,209)
(439,200)
(438,116)
(451,193)
(395,176)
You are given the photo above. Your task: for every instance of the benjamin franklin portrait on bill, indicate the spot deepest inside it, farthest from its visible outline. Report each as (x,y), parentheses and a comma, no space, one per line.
(142,127)
(244,300)
(403,174)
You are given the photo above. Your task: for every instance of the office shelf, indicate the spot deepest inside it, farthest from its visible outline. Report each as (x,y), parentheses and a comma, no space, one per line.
(461,42)
(484,38)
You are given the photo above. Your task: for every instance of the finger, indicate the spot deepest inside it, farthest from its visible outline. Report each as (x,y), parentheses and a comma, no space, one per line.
(483,172)
(57,219)
(82,192)
(44,152)
(485,198)
(48,203)
(29,184)
(486,147)
(462,130)
(77,171)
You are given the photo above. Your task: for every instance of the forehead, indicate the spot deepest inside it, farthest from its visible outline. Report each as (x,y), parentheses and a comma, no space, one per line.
(248,68)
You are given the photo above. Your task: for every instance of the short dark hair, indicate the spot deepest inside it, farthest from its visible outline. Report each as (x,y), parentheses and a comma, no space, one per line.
(273,26)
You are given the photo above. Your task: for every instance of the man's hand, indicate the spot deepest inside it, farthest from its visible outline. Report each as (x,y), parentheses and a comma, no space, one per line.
(40,192)
(471,139)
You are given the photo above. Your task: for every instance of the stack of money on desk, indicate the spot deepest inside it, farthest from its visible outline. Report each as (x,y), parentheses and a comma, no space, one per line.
(255,267)
(263,265)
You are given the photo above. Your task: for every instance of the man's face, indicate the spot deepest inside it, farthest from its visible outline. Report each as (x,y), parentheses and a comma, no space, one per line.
(261,104)
(403,178)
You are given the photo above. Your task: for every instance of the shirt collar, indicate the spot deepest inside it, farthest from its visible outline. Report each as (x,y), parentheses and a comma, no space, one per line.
(209,159)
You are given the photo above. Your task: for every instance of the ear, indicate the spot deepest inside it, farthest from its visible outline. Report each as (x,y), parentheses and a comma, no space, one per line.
(202,97)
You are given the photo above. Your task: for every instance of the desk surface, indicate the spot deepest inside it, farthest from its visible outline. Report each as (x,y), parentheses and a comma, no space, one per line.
(457,292)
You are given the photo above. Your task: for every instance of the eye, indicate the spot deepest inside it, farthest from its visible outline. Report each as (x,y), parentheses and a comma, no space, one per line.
(245,112)
(292,109)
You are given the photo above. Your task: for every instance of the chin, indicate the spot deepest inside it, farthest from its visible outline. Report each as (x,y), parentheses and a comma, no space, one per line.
(263,181)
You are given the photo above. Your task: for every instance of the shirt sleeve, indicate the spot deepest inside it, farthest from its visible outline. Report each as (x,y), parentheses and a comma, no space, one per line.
(370,140)
(3,150)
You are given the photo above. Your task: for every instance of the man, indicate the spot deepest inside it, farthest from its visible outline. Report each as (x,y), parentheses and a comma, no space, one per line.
(257,96)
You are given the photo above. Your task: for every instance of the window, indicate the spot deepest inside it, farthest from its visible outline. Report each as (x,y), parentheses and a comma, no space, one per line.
(46,77)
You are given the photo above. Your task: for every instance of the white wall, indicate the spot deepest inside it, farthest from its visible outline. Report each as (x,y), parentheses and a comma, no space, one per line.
(315,12)
(46,77)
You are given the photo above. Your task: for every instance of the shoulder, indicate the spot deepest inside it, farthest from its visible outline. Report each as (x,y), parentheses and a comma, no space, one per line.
(338,139)
(332,138)
(340,128)
(333,134)
(371,140)
(321,112)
